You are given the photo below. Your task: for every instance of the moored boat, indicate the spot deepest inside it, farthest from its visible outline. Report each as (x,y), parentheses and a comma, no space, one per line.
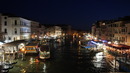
(44,52)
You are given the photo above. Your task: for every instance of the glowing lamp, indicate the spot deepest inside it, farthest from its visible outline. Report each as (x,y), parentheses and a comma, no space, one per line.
(109,42)
(22,49)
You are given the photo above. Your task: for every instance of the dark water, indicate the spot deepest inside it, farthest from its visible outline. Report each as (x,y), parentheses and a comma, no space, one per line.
(64,59)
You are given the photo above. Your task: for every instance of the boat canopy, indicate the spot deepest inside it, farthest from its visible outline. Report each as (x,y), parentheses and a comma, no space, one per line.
(14,43)
(44,48)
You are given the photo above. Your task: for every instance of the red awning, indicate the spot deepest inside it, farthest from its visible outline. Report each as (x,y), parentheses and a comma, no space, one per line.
(119,46)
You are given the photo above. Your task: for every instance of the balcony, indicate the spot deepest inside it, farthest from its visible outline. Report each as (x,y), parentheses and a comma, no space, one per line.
(25,26)
(25,33)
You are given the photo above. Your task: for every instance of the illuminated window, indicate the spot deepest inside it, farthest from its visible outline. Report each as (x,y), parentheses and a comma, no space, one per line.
(14,39)
(103,24)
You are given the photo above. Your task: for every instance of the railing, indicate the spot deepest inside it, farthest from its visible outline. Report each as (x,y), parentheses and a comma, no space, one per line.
(25,26)
(25,32)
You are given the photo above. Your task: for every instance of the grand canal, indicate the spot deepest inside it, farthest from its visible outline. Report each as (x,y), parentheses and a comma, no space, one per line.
(64,59)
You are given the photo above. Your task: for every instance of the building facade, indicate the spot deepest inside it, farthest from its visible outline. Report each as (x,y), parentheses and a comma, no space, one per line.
(1,33)
(54,32)
(117,31)
(99,30)
(42,31)
(15,28)
(34,29)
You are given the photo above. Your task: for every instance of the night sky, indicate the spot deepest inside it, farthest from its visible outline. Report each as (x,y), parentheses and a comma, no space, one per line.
(80,14)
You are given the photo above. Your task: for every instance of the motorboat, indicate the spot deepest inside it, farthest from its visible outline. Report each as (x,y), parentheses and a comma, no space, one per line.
(44,52)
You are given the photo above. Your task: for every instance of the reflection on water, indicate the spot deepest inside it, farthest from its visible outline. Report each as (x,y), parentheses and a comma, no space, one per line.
(98,60)
(79,43)
(99,56)
(23,70)
(67,59)
(44,67)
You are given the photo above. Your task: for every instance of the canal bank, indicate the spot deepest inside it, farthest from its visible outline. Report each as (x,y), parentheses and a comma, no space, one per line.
(64,59)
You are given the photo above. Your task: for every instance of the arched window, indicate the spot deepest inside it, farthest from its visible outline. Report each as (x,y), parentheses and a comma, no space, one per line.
(5,30)
(9,38)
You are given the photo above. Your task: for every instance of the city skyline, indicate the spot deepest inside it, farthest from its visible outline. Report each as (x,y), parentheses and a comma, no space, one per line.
(80,14)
